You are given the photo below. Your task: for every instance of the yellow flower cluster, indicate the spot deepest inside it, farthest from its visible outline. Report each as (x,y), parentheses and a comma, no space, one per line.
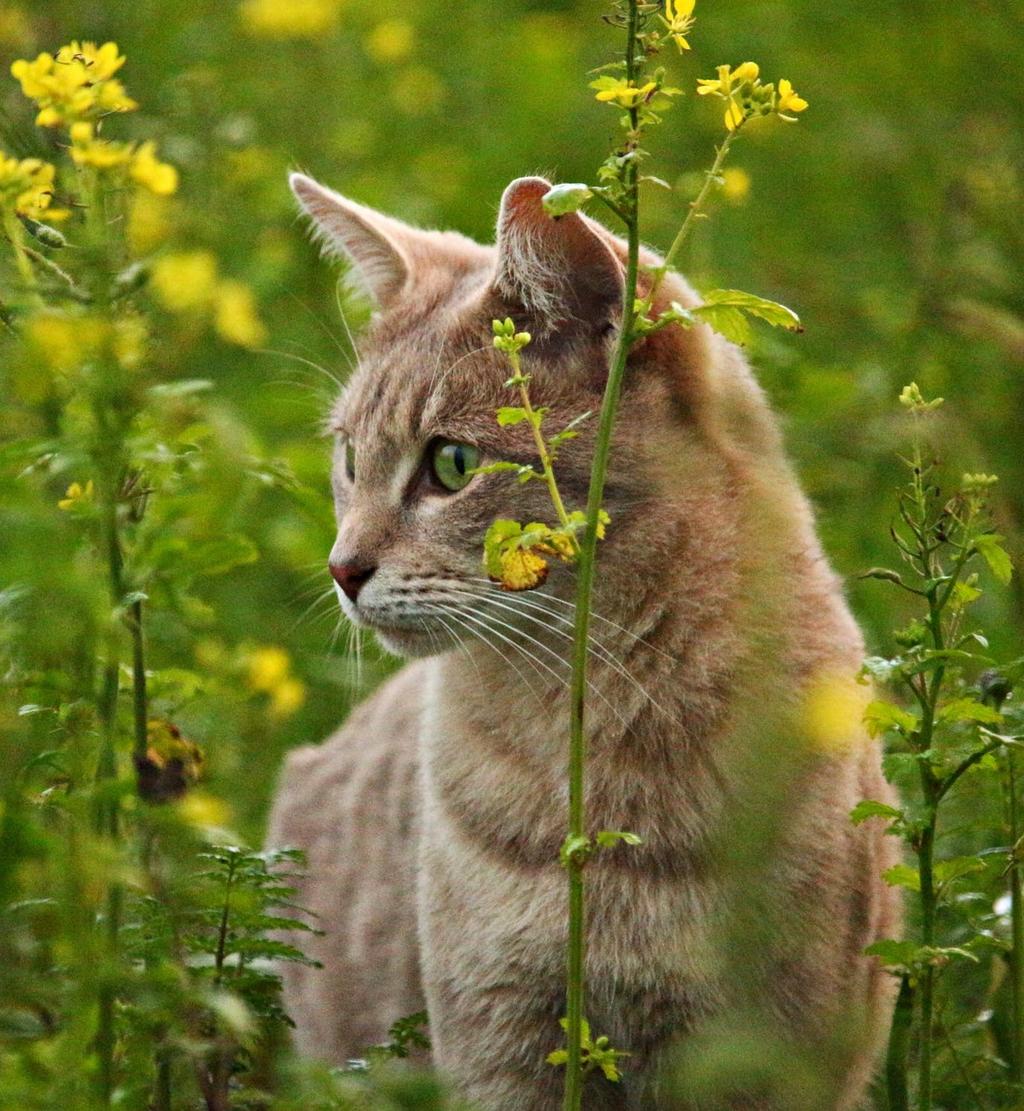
(77,496)
(678,20)
(26,186)
(76,83)
(747,98)
(617,90)
(269,671)
(189,282)
(289,19)
(75,89)
(62,342)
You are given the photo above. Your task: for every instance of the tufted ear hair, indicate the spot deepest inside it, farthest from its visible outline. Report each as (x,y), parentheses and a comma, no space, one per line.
(380,248)
(560,269)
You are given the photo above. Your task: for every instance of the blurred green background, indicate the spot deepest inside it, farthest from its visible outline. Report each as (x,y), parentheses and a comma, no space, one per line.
(889,218)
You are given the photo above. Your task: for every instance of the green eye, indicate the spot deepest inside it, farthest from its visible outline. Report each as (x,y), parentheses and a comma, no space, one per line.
(350,460)
(453,464)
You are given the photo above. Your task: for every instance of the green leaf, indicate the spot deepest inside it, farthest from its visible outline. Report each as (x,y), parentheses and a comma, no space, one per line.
(558,1057)
(869,808)
(879,717)
(945,871)
(511,414)
(215,557)
(894,954)
(497,537)
(496,468)
(568,197)
(968,709)
(724,310)
(880,668)
(902,875)
(575,850)
(995,556)
(607,838)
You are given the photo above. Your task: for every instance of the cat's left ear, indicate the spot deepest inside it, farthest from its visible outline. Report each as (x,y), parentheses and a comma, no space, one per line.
(561,270)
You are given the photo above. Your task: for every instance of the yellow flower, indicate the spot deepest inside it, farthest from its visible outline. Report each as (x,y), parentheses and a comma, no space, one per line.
(87,150)
(617,90)
(522,569)
(391,41)
(64,342)
(158,177)
(268,671)
(77,495)
(678,19)
(101,62)
(787,100)
(75,84)
(727,79)
(25,185)
(735,184)
(149,223)
(267,668)
(235,315)
(185,281)
(289,19)
(733,115)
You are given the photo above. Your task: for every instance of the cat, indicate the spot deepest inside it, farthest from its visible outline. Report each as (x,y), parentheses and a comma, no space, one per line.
(723,721)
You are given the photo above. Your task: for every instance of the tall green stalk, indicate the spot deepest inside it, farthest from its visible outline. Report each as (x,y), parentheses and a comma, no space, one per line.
(575,958)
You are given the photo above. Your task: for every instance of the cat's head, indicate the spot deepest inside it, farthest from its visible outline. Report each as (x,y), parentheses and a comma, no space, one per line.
(418,415)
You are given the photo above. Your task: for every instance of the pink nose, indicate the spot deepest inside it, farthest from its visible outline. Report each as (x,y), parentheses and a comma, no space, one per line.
(351,577)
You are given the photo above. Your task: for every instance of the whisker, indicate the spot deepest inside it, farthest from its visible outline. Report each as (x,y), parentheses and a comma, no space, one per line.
(594,616)
(346,354)
(512,603)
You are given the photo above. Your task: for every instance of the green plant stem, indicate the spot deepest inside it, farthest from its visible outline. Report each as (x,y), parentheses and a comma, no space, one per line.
(542,448)
(15,234)
(696,208)
(1016,921)
(575,958)
(899,1047)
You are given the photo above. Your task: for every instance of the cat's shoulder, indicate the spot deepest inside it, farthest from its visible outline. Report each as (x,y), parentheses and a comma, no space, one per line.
(375,749)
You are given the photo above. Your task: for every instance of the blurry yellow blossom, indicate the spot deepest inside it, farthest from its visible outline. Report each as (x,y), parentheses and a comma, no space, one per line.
(286,19)
(88,150)
(727,79)
(129,341)
(833,712)
(787,100)
(64,342)
(678,19)
(617,90)
(149,222)
(268,671)
(185,281)
(204,811)
(76,84)
(26,186)
(77,495)
(734,115)
(147,170)
(267,668)
(735,184)
(417,91)
(391,41)
(235,315)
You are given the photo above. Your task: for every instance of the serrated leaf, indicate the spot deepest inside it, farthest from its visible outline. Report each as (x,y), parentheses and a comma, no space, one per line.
(879,717)
(945,871)
(968,709)
(511,414)
(726,310)
(995,555)
(902,875)
(869,808)
(894,954)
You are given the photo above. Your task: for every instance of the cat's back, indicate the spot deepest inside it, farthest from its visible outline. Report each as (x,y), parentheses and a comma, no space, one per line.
(350,804)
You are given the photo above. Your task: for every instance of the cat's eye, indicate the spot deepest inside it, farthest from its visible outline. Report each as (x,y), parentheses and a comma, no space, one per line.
(350,460)
(453,464)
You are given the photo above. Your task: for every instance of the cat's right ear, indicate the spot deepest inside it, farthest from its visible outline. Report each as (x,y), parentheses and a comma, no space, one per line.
(378,246)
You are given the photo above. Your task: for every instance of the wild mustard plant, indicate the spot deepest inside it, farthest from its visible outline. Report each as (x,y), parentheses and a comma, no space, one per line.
(514,553)
(952,727)
(128,1000)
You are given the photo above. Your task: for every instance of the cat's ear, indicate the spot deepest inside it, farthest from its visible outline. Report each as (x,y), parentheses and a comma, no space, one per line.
(379,247)
(561,269)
